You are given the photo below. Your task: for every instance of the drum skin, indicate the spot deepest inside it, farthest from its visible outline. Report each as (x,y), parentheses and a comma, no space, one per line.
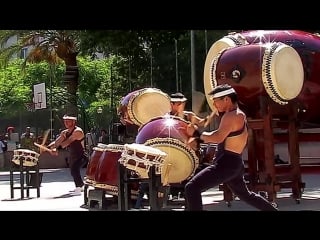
(306,44)
(168,134)
(142,105)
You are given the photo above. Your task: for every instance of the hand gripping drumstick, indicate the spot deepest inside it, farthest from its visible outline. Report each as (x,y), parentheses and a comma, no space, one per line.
(210,117)
(42,147)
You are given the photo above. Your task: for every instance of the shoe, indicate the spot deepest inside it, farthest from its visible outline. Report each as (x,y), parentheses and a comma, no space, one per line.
(76,192)
(81,189)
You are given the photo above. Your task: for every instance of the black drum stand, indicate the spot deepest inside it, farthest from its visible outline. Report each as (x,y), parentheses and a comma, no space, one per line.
(29,178)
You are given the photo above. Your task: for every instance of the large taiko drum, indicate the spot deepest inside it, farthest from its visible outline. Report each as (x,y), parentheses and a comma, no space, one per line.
(307,46)
(93,163)
(27,157)
(140,106)
(255,70)
(168,133)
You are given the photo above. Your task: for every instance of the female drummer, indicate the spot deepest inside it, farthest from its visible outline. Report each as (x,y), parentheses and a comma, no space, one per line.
(73,138)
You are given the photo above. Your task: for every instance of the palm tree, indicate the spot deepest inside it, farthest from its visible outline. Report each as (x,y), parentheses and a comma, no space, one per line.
(52,46)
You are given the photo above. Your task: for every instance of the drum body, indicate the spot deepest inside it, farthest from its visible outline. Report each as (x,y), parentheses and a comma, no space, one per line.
(306,44)
(272,70)
(168,134)
(106,175)
(142,105)
(93,164)
(123,109)
(29,158)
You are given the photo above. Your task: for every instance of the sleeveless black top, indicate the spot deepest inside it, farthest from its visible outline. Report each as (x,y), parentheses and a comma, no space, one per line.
(76,149)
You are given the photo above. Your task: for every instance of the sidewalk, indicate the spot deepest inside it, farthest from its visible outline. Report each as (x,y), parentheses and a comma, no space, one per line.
(54,196)
(56,184)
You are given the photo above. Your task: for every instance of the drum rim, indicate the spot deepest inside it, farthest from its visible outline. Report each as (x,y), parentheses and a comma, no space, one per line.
(166,116)
(156,152)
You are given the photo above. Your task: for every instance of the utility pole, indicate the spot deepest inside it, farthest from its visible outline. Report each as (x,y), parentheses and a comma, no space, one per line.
(193,62)
(177,70)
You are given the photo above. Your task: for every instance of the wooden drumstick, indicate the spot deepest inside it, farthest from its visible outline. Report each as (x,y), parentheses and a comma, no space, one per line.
(45,136)
(42,147)
(166,175)
(210,117)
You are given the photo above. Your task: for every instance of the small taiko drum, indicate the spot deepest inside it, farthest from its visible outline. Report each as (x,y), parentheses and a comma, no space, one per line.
(140,158)
(255,70)
(93,163)
(27,157)
(142,105)
(168,133)
(106,175)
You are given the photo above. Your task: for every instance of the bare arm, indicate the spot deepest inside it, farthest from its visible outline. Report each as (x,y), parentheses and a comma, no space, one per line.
(217,136)
(229,122)
(63,141)
(201,122)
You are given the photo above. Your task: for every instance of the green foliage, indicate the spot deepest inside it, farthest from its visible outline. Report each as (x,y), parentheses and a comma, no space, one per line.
(133,60)
(13,91)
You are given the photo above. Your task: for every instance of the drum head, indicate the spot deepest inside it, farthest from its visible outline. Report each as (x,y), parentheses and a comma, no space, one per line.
(216,48)
(282,73)
(147,104)
(183,161)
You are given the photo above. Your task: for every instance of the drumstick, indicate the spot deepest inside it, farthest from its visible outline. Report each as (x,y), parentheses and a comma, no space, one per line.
(42,147)
(45,136)
(198,99)
(210,117)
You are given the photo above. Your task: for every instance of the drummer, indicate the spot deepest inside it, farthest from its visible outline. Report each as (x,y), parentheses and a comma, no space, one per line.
(178,104)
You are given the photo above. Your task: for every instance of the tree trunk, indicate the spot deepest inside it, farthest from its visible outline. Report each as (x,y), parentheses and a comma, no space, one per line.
(71,82)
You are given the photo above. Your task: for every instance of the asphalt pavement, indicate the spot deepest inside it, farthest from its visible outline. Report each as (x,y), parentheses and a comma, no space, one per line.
(56,184)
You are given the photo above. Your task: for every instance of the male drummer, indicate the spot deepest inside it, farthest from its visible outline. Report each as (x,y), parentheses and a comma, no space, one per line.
(73,138)
(231,137)
(178,104)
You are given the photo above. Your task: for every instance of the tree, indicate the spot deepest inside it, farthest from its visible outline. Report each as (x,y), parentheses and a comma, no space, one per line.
(51,46)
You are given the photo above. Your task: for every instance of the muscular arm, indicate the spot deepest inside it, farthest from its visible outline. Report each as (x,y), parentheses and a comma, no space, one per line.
(201,122)
(63,141)
(219,135)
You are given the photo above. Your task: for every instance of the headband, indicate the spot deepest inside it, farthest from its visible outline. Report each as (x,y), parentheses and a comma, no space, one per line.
(222,93)
(65,117)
